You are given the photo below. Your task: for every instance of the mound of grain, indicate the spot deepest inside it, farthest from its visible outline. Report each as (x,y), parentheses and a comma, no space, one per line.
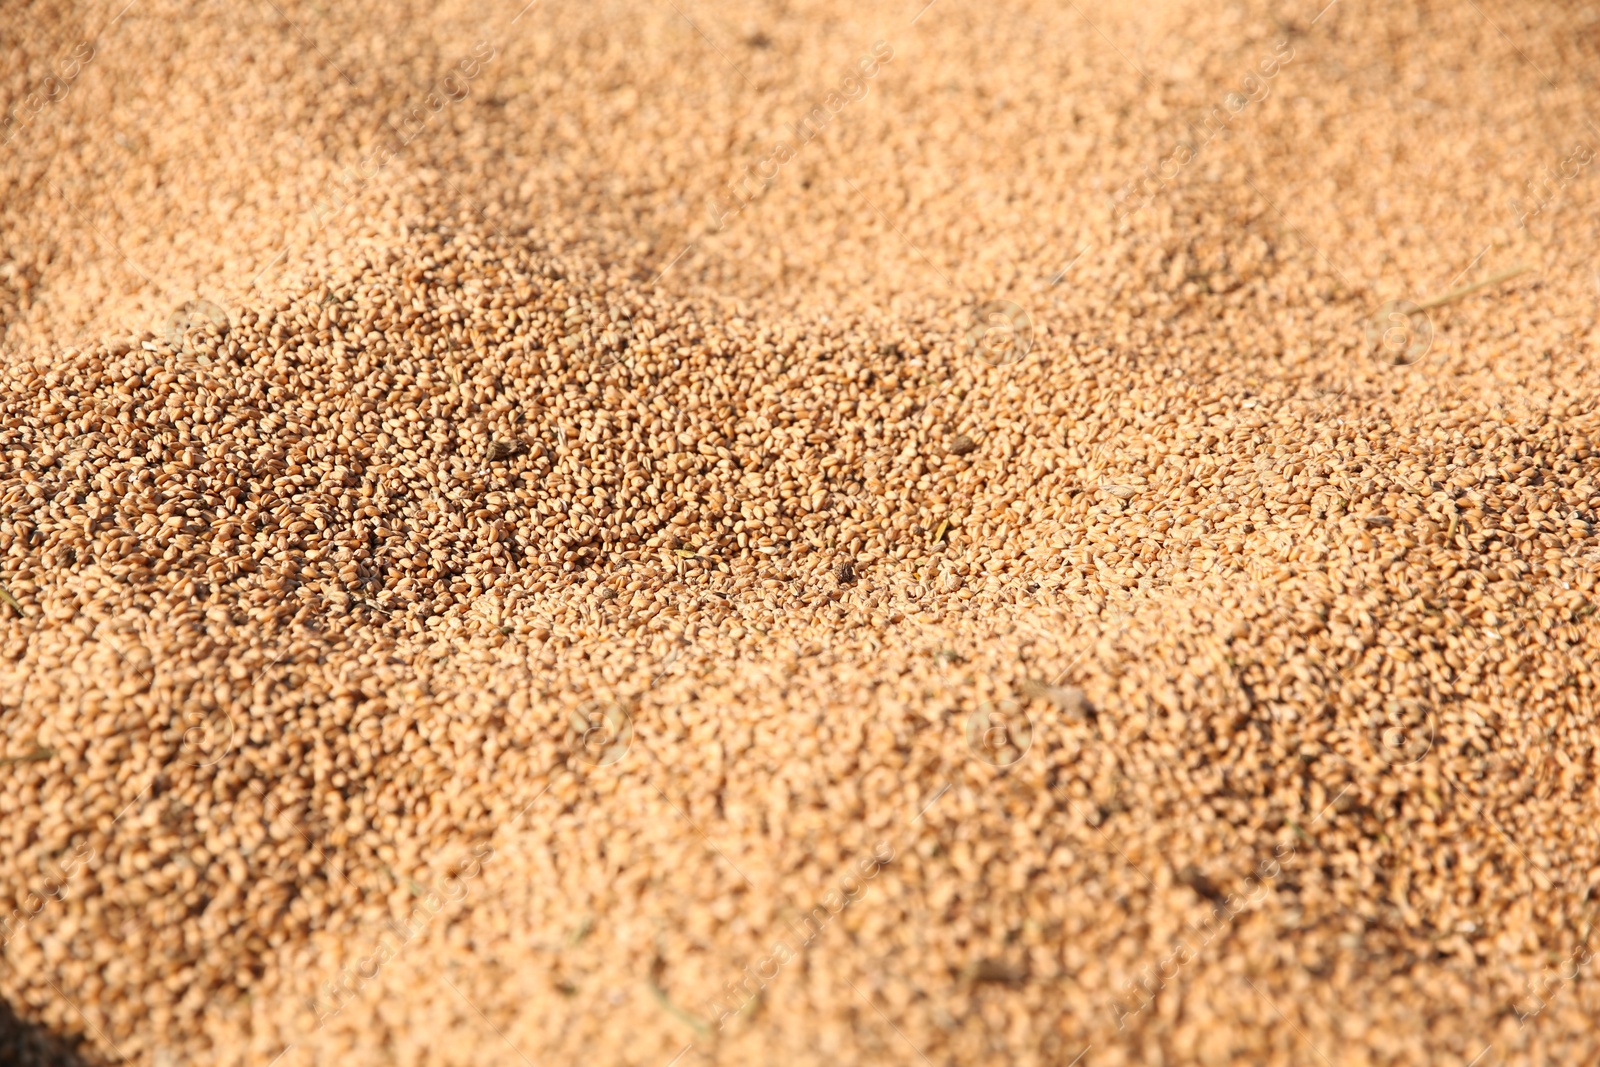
(839,535)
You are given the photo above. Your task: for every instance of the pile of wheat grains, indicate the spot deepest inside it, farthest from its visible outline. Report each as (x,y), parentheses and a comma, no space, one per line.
(815,533)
